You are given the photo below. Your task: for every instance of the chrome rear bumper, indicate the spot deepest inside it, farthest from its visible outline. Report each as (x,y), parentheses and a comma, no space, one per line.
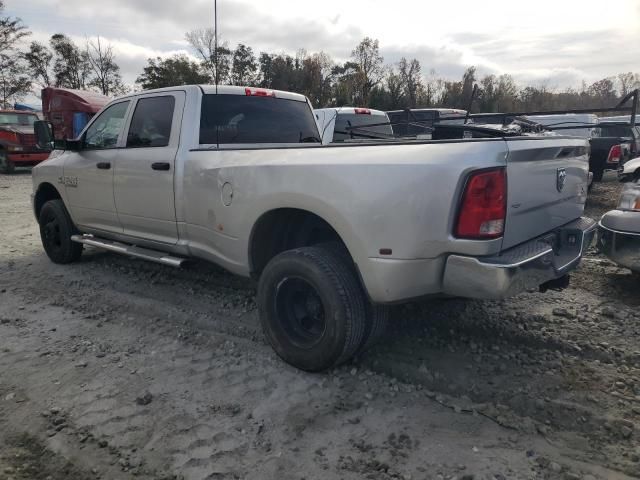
(521,268)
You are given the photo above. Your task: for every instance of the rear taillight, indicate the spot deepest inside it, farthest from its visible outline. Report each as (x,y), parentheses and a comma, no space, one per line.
(615,154)
(259,92)
(484,205)
(362,111)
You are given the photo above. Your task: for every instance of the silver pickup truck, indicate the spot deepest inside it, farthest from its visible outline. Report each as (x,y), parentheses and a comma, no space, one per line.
(333,233)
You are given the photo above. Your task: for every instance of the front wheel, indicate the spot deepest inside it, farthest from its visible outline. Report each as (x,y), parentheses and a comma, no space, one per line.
(6,165)
(56,229)
(312,309)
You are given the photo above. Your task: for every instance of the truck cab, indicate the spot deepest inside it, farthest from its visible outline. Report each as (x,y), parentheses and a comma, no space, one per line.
(18,141)
(70,110)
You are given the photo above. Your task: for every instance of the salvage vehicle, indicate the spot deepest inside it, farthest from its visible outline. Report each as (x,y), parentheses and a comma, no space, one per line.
(629,171)
(352,124)
(606,151)
(332,233)
(18,146)
(620,127)
(583,125)
(619,230)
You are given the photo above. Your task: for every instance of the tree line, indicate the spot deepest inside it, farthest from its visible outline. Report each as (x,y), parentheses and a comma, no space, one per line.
(363,80)
(59,63)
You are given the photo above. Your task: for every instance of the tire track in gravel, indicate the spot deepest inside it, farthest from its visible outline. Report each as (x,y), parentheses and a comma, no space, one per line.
(224,405)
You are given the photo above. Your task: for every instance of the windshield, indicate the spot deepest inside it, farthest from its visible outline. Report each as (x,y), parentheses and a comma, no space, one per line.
(347,123)
(22,119)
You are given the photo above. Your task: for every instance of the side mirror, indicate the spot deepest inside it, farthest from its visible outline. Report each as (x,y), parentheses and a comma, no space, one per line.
(44,134)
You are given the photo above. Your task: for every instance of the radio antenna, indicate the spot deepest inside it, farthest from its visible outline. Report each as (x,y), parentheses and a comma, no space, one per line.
(215,41)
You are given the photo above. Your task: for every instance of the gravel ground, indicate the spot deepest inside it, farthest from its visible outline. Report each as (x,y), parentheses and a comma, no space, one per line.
(114,368)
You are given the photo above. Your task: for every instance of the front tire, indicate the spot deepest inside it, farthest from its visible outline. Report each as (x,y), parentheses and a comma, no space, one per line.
(56,229)
(6,166)
(312,309)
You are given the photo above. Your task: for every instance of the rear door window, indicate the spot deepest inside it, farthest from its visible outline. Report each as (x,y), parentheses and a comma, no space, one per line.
(151,122)
(238,119)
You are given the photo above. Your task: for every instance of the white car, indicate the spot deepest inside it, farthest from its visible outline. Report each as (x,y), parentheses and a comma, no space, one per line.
(630,171)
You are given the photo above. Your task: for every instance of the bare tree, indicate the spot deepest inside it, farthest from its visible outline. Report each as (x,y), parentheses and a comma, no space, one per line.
(12,31)
(370,70)
(14,80)
(395,88)
(106,71)
(628,82)
(411,80)
(203,42)
(71,65)
(39,59)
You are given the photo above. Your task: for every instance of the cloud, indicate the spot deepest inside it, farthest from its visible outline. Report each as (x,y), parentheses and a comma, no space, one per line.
(559,43)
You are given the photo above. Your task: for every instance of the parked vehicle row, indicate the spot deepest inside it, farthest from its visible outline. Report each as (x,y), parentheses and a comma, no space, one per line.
(332,233)
(612,143)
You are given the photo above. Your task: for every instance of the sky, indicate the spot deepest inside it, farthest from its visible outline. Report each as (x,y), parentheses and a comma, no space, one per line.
(558,43)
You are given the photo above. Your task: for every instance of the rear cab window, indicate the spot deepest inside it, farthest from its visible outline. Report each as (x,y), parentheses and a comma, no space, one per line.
(351,125)
(412,122)
(239,119)
(614,131)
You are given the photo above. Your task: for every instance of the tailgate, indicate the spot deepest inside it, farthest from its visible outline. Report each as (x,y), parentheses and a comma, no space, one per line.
(547,186)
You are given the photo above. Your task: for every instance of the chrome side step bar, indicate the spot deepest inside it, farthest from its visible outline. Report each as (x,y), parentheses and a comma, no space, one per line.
(130,250)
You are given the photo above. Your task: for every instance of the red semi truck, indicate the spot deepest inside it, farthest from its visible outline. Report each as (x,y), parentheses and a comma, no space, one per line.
(67,110)
(70,110)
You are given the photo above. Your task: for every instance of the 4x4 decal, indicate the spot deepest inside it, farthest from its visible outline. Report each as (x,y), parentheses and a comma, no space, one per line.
(68,181)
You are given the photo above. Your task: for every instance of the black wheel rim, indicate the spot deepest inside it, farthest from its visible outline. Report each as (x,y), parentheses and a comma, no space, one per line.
(301,312)
(51,235)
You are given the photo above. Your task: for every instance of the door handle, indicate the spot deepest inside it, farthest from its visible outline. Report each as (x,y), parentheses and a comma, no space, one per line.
(103,165)
(161,166)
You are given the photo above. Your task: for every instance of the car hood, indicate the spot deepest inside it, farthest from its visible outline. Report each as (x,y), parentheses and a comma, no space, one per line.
(23,129)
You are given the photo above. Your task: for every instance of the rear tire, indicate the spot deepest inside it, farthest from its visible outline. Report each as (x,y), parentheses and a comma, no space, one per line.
(312,309)
(6,166)
(377,315)
(56,229)
(598,174)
